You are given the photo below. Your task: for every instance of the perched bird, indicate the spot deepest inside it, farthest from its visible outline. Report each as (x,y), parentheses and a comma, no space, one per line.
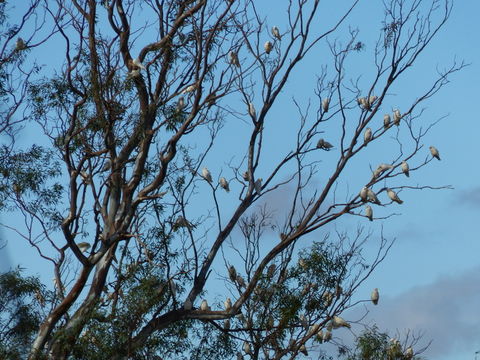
(247,348)
(206,175)
(20,44)
(325,104)
(371,100)
(228,304)
(409,353)
(233,58)
(367,136)
(303,350)
(252,111)
(405,168)
(393,196)
(83,246)
(303,321)
(246,176)
(204,305)
(386,121)
(276,33)
(372,197)
(320,336)
(137,64)
(375,296)
(369,212)
(258,185)
(327,336)
(187,305)
(363,102)
(268,47)
(434,152)
(180,104)
(327,298)
(182,222)
(271,270)
(224,184)
(364,194)
(396,117)
(226,324)
(241,282)
(324,145)
(338,322)
(189,89)
(313,329)
(232,273)
(381,169)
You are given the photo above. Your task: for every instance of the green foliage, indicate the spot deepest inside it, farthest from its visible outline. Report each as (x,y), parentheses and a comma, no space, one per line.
(20,315)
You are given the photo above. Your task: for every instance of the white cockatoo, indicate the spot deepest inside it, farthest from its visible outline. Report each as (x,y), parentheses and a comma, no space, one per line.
(245,176)
(372,197)
(327,298)
(371,100)
(268,46)
(327,336)
(138,64)
(325,104)
(397,117)
(367,136)
(232,273)
(180,103)
(233,57)
(375,296)
(228,304)
(369,212)
(405,168)
(20,44)
(409,352)
(303,350)
(338,322)
(189,89)
(187,305)
(241,282)
(276,33)
(381,169)
(363,102)
(364,194)
(313,329)
(204,305)
(206,175)
(434,152)
(83,246)
(386,121)
(324,145)
(134,73)
(224,184)
(393,196)
(252,111)
(182,222)
(320,336)
(258,185)
(246,348)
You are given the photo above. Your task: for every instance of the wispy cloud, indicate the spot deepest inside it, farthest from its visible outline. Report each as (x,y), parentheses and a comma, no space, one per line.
(447,311)
(468,197)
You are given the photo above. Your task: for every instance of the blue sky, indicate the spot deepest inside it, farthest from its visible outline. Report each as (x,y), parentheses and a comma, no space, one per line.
(430,280)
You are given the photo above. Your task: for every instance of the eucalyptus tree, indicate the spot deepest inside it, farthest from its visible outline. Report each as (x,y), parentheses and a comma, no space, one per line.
(161,179)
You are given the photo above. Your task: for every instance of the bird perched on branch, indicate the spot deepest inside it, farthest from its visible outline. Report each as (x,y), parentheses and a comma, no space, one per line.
(367,136)
(233,58)
(276,33)
(268,47)
(204,305)
(228,304)
(386,121)
(375,296)
(324,145)
(232,273)
(405,168)
(369,212)
(338,322)
(258,185)
(20,44)
(434,152)
(137,64)
(224,184)
(372,197)
(206,175)
(325,104)
(397,117)
(252,111)
(393,196)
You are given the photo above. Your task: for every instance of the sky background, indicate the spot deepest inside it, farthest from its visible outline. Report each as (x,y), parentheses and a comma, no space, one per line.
(430,281)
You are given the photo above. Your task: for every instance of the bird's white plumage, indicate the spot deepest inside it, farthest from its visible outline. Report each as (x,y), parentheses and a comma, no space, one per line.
(258,185)
(252,111)
(268,46)
(189,89)
(246,348)
(206,174)
(397,117)
(137,63)
(338,322)
(367,136)
(372,197)
(369,212)
(405,168)
(363,194)
(409,352)
(276,33)
(325,104)
(375,296)
(386,121)
(393,196)
(204,305)
(434,152)
(228,304)
(224,184)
